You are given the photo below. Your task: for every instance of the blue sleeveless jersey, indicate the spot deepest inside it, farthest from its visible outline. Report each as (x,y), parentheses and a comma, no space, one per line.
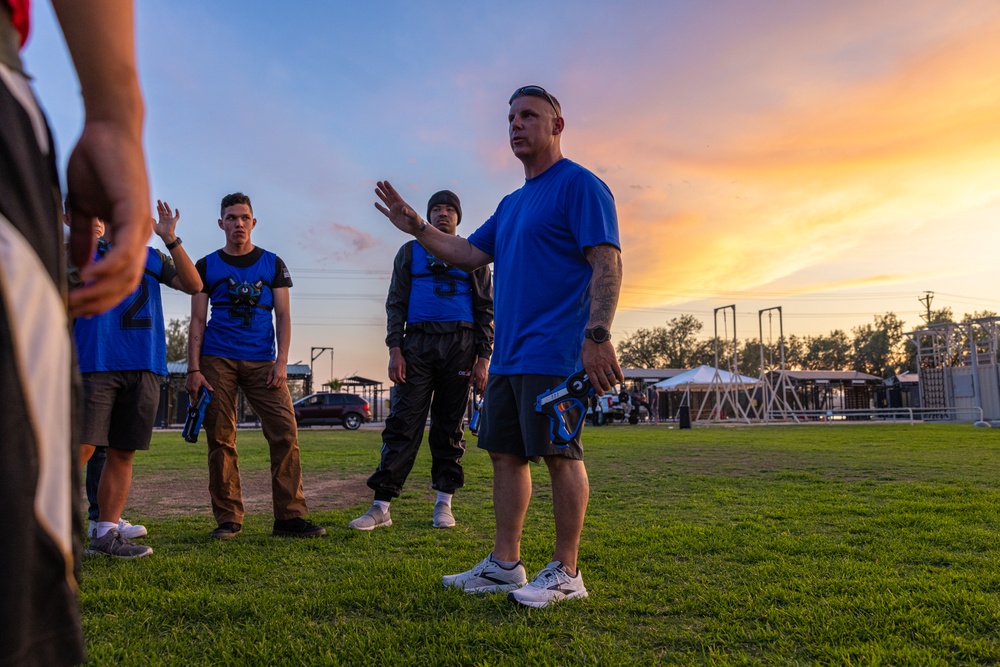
(240,325)
(131,336)
(438,293)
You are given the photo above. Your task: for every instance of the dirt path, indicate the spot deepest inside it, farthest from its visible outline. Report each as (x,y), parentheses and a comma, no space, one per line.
(163,494)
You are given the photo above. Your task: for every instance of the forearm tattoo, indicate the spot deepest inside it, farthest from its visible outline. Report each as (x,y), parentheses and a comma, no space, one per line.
(605,285)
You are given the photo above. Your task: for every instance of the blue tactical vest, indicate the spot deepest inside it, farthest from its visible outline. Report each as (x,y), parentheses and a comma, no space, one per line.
(240,325)
(438,292)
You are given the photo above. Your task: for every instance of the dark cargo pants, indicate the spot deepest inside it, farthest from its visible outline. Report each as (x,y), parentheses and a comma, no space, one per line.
(438,368)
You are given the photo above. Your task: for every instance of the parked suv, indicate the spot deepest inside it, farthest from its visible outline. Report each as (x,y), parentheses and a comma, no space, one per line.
(329,408)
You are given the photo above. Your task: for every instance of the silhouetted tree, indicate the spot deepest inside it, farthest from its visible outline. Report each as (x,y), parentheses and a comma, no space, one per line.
(177,339)
(673,346)
(878,348)
(826,353)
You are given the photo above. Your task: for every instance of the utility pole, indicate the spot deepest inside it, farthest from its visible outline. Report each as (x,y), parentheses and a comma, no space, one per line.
(926,300)
(314,354)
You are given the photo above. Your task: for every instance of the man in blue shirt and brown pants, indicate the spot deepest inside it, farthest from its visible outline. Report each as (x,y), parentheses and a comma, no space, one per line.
(247,288)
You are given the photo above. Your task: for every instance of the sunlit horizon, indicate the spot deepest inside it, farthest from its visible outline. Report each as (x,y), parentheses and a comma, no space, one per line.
(835,160)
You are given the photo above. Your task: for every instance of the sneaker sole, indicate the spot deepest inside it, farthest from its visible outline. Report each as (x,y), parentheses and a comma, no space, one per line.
(443,524)
(95,552)
(225,536)
(288,533)
(540,604)
(385,524)
(492,588)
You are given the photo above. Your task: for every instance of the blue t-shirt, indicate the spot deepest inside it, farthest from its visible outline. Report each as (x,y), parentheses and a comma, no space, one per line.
(240,291)
(537,238)
(438,292)
(130,336)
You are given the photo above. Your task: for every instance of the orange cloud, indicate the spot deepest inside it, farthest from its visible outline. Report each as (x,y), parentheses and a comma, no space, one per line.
(842,172)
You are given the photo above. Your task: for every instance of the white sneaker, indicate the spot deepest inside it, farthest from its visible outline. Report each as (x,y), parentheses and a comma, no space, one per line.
(443,518)
(487,577)
(550,585)
(125,529)
(130,531)
(374,518)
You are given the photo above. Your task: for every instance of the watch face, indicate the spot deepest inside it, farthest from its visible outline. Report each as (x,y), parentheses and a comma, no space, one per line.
(598,334)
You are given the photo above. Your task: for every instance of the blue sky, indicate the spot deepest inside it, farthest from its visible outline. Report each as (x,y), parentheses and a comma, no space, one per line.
(836,159)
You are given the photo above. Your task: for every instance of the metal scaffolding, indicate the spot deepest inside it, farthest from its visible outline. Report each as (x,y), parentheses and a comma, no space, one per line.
(727,390)
(774,383)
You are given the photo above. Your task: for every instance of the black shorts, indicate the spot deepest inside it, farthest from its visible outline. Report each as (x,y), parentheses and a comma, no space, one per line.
(510,424)
(119,408)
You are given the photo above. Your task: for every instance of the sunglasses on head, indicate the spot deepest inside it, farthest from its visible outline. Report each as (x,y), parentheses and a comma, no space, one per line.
(535,91)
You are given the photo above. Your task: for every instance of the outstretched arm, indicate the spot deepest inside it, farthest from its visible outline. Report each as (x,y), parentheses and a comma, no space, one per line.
(599,359)
(452,249)
(187,279)
(106,175)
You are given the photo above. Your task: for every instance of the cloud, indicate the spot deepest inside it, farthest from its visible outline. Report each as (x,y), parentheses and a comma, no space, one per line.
(838,173)
(336,241)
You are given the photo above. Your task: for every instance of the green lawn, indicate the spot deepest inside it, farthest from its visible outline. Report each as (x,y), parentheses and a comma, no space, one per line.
(841,545)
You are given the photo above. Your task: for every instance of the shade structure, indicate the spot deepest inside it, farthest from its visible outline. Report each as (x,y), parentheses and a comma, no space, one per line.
(703,377)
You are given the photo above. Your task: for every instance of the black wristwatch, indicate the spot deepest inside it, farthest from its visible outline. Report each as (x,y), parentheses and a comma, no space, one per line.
(597,334)
(173,244)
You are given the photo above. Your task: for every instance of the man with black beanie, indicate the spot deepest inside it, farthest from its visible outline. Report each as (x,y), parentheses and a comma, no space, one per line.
(440,338)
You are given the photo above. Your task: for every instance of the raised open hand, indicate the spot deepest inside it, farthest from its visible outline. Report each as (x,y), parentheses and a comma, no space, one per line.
(166,223)
(396,209)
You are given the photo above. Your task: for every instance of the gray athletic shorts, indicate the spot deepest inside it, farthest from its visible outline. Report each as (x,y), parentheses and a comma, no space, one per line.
(119,409)
(510,423)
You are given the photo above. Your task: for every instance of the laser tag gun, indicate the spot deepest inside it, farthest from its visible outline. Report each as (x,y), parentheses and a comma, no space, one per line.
(477,410)
(566,406)
(196,415)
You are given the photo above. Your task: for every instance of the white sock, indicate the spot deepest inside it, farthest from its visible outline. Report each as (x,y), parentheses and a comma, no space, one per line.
(507,565)
(382,505)
(444,498)
(103,527)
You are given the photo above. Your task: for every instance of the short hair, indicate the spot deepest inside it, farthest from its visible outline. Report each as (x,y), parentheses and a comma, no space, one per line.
(233,200)
(537,91)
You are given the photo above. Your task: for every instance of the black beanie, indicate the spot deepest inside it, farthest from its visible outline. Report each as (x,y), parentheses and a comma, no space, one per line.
(445,197)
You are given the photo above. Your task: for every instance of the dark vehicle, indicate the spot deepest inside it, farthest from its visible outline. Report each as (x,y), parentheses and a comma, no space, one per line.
(330,408)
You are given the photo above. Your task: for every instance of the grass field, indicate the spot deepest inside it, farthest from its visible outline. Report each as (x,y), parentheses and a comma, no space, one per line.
(841,545)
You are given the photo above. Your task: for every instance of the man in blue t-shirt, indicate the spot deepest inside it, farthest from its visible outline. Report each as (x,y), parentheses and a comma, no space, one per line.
(439,322)
(247,288)
(557,276)
(123,358)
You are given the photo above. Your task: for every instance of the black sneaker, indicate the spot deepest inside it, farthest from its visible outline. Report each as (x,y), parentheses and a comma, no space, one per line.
(227,530)
(297,527)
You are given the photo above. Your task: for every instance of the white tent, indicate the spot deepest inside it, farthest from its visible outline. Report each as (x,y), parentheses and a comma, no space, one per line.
(724,386)
(703,377)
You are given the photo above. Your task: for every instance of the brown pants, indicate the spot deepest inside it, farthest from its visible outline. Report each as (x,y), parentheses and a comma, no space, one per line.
(277,417)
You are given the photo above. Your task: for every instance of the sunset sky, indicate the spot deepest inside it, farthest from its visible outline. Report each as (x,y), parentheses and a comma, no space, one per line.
(834,159)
